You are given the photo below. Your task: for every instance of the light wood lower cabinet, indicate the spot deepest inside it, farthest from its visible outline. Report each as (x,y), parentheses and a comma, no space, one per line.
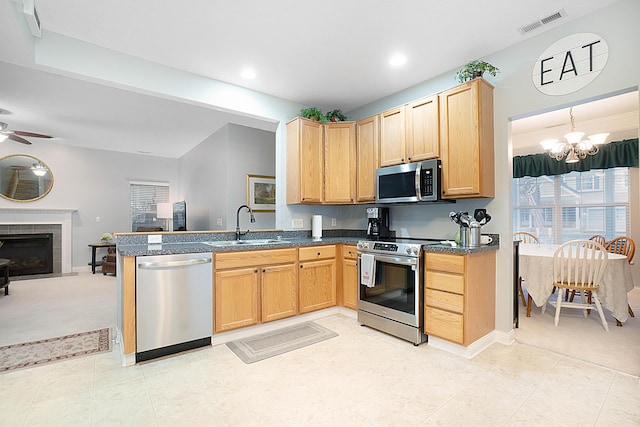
(459,300)
(254,287)
(317,277)
(236,299)
(349,283)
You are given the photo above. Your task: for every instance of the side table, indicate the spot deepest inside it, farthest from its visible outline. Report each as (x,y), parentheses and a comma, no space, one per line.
(94,247)
(4,273)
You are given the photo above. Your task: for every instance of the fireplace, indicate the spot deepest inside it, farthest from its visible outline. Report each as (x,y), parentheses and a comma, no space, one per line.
(28,253)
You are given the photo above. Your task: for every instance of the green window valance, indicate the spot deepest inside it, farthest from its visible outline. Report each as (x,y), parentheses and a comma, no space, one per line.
(612,155)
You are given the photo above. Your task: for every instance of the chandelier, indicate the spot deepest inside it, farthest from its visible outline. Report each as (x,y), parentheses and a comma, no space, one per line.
(39,169)
(575,148)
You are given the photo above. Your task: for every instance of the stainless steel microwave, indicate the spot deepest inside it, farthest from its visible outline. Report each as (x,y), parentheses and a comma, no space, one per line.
(410,182)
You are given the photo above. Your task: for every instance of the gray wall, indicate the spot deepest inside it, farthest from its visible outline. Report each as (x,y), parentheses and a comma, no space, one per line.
(96,183)
(213,177)
(515,96)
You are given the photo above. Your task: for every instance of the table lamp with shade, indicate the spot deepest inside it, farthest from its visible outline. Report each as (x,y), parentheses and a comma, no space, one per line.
(165,211)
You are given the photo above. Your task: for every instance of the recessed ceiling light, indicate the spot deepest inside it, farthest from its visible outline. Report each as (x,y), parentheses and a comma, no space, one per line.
(397,60)
(248,73)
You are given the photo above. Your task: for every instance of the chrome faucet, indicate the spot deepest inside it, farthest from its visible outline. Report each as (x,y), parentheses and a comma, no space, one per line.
(253,219)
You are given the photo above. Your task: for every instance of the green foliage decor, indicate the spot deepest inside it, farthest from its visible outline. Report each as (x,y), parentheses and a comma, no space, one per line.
(475,69)
(336,116)
(313,113)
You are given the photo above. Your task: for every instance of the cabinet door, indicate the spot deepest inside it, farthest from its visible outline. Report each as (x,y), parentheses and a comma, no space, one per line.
(317,285)
(279,292)
(236,299)
(350,283)
(423,134)
(304,161)
(367,158)
(340,163)
(466,120)
(392,137)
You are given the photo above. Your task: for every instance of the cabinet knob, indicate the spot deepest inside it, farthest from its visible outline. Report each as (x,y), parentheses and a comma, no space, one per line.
(409,159)
(255,271)
(402,160)
(301,266)
(318,253)
(264,270)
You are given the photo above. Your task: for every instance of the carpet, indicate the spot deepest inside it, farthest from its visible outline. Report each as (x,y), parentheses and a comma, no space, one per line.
(269,344)
(585,338)
(17,356)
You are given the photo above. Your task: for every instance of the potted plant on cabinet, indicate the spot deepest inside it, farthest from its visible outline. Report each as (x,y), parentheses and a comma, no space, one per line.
(336,116)
(475,69)
(313,113)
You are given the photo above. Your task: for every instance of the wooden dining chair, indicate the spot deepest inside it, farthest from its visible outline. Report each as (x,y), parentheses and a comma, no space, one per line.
(600,239)
(579,265)
(623,245)
(525,237)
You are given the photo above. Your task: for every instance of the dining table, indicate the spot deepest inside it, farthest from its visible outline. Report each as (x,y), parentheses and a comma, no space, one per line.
(536,271)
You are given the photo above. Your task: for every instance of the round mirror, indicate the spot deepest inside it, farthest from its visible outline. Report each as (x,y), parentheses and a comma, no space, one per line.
(24,178)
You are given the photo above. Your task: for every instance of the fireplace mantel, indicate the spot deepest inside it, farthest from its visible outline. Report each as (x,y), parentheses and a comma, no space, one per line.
(62,216)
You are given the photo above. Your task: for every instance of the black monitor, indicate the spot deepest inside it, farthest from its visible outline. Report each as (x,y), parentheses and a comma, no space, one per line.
(180,216)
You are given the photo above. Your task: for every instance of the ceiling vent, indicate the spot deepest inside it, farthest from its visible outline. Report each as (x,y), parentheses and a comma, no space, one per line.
(543,21)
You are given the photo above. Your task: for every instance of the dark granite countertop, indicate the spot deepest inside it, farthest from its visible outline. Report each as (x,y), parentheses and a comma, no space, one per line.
(182,245)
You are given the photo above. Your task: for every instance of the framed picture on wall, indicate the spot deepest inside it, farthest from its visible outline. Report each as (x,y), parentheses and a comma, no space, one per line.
(261,193)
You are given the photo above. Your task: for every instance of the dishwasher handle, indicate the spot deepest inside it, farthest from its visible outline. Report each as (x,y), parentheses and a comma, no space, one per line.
(154,265)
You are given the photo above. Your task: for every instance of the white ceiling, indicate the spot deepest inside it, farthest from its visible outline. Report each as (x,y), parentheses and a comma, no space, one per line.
(332,54)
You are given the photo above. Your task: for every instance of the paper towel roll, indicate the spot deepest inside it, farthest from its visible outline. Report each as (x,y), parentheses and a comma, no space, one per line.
(316,227)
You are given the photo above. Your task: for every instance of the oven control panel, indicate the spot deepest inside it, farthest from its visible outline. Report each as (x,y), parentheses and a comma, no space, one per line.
(412,250)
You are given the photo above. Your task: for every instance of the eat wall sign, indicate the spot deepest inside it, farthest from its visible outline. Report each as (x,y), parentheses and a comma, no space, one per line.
(570,64)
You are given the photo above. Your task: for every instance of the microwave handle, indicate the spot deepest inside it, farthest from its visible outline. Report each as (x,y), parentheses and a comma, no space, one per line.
(417,181)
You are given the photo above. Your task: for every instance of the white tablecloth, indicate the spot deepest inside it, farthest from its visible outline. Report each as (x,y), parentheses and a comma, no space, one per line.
(536,269)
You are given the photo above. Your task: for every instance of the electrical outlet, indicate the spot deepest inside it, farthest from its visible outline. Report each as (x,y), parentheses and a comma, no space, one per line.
(333,222)
(297,223)
(219,221)
(97,219)
(154,238)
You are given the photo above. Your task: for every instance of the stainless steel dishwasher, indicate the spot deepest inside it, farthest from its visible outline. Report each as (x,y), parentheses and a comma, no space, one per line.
(173,304)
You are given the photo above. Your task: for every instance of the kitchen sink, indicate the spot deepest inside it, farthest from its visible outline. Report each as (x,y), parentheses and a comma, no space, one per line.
(249,242)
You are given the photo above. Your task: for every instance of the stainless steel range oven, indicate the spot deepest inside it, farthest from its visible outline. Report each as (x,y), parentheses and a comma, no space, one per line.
(390,296)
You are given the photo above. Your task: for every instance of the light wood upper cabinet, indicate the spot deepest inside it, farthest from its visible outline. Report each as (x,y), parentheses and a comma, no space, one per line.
(459,299)
(392,137)
(466,132)
(317,278)
(340,162)
(367,132)
(305,164)
(423,129)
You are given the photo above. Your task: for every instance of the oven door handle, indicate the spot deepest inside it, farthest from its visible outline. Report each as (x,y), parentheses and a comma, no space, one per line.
(396,260)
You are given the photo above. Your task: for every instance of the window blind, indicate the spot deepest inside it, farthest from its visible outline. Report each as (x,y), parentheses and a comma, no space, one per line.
(575,205)
(144,199)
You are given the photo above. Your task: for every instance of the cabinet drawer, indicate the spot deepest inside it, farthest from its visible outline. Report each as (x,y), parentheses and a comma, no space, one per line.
(444,300)
(444,281)
(444,324)
(317,252)
(254,258)
(445,262)
(349,252)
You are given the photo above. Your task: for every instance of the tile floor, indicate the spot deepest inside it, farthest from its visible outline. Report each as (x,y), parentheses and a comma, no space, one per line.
(360,378)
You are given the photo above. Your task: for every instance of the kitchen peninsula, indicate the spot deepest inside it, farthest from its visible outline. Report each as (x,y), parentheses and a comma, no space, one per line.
(294,250)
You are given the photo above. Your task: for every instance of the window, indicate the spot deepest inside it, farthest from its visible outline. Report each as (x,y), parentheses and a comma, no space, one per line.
(145,196)
(575,205)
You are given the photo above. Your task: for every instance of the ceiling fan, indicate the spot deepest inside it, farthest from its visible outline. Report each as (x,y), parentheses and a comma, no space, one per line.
(17,135)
